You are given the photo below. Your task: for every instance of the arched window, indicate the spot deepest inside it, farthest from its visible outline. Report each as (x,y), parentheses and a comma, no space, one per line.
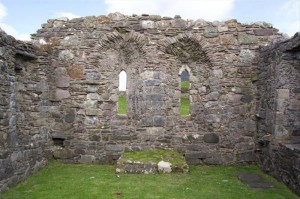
(122,102)
(185,93)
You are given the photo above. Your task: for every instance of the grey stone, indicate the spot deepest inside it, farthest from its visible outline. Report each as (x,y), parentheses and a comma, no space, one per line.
(211,32)
(228,39)
(114,147)
(87,159)
(153,82)
(159,121)
(62,82)
(62,94)
(66,55)
(246,56)
(179,23)
(263,32)
(198,155)
(213,118)
(63,154)
(70,116)
(283,93)
(211,138)
(147,24)
(254,180)
(116,16)
(164,167)
(244,38)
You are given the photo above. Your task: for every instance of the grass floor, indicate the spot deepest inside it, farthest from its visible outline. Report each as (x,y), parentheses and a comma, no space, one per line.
(184,106)
(100,181)
(122,105)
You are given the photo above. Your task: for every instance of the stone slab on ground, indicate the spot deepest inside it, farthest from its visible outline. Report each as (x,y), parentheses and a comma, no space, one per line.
(253,180)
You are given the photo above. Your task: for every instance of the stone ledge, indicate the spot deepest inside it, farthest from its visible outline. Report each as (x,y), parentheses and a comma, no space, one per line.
(130,166)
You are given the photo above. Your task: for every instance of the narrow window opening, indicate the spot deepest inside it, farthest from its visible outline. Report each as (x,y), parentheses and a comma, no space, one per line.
(185,93)
(122,102)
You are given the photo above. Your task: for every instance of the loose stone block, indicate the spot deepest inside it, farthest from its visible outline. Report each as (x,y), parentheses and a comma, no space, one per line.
(164,167)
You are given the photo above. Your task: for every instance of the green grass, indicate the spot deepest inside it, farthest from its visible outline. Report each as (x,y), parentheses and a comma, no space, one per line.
(122,105)
(100,181)
(185,86)
(155,156)
(184,106)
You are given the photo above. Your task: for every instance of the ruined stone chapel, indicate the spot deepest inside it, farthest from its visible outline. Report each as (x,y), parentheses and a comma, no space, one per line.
(59,94)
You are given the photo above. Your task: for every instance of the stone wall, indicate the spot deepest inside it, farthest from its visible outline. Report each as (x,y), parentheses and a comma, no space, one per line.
(278,111)
(23,111)
(87,54)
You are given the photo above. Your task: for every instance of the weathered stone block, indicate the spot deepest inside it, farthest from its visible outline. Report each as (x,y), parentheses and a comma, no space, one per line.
(70,116)
(283,93)
(280,132)
(62,94)
(91,104)
(63,154)
(62,82)
(116,16)
(213,118)
(66,55)
(263,32)
(179,23)
(213,96)
(154,82)
(87,159)
(211,32)
(159,121)
(114,147)
(250,125)
(246,56)
(164,167)
(228,39)
(294,104)
(147,24)
(60,71)
(244,38)
(248,156)
(198,155)
(92,112)
(211,138)
(92,96)
(76,71)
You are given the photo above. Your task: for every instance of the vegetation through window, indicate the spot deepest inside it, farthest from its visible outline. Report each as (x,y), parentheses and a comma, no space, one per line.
(122,102)
(185,96)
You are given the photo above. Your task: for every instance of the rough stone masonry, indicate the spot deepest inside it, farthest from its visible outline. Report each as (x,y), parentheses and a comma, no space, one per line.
(59,93)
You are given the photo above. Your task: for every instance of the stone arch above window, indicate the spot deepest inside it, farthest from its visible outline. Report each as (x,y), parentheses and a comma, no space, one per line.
(129,45)
(189,47)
